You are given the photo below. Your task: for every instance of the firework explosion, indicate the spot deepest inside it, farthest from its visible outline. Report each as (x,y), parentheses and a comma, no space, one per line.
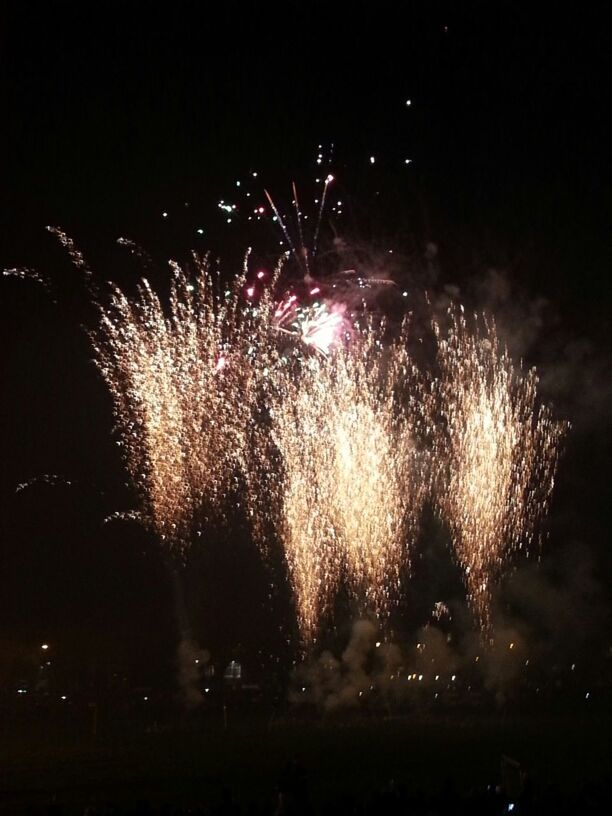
(496,455)
(321,326)
(182,386)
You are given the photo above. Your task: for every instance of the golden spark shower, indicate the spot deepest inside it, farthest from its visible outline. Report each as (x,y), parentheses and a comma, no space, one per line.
(181,385)
(352,477)
(496,455)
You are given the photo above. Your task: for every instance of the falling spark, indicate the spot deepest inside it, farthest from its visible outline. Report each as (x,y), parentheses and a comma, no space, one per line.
(75,253)
(51,479)
(124,515)
(25,273)
(136,250)
(497,454)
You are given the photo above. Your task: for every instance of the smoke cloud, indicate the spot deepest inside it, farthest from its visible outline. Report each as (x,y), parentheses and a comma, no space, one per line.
(547,617)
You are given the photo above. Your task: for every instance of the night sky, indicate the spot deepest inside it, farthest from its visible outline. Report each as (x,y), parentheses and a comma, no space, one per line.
(115,113)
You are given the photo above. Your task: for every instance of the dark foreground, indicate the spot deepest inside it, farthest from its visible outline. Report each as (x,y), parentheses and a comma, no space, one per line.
(493,763)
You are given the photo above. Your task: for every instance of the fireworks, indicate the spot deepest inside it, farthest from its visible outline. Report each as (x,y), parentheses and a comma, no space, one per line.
(333,447)
(352,480)
(321,326)
(73,251)
(496,456)
(299,500)
(329,444)
(51,479)
(182,388)
(324,328)
(23,273)
(378,473)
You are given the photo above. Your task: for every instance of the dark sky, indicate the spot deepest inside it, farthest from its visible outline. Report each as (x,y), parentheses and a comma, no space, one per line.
(115,112)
